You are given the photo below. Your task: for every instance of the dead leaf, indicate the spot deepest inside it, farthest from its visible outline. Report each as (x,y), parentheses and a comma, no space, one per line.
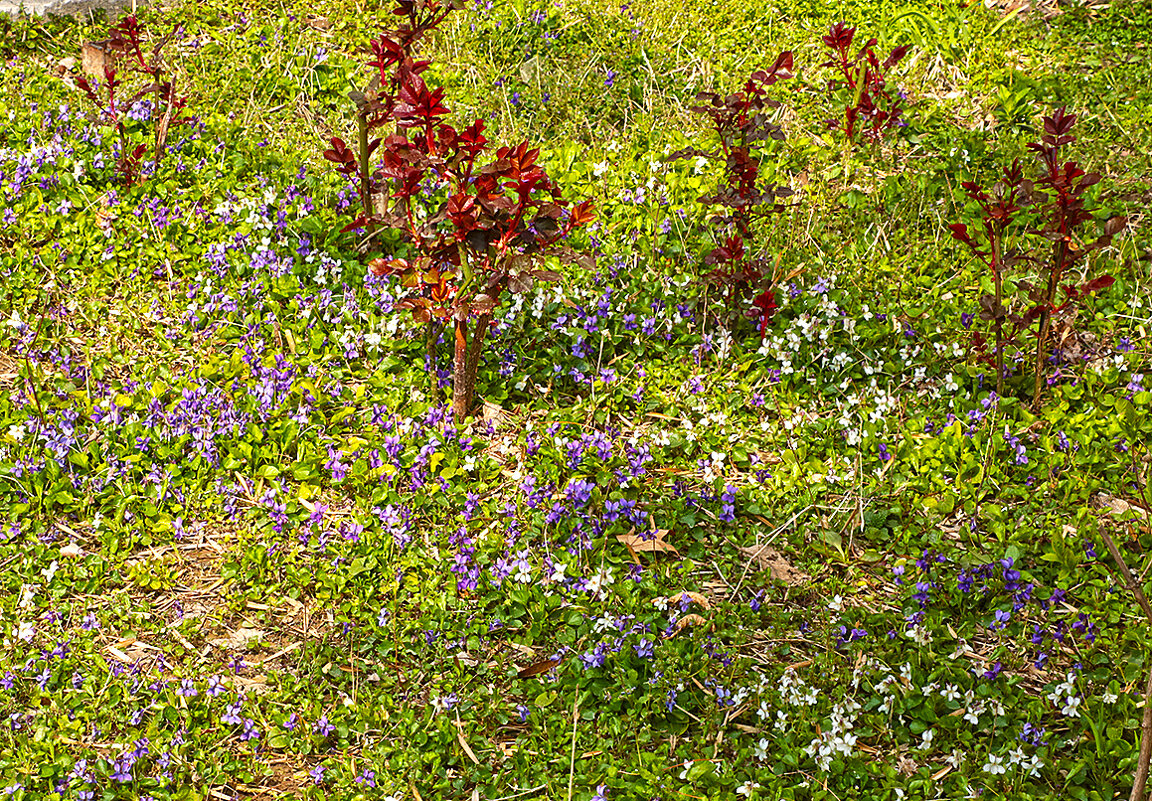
(653,544)
(257,684)
(686,621)
(1118,506)
(940,774)
(120,655)
(768,558)
(240,639)
(693,596)
(493,414)
(529,69)
(538,668)
(94,56)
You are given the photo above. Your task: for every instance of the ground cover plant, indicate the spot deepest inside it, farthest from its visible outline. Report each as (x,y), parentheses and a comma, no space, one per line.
(251,546)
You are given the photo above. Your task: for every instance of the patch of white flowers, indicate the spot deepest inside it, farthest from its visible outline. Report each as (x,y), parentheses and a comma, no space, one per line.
(839,738)
(1064,696)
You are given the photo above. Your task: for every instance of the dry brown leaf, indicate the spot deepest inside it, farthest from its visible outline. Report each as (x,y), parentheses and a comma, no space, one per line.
(536,669)
(494,414)
(120,655)
(768,558)
(686,621)
(693,596)
(906,766)
(653,545)
(257,684)
(1118,506)
(241,639)
(466,659)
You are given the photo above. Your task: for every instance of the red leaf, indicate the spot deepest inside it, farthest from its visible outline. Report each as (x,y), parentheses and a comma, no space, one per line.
(1115,225)
(380,266)
(960,232)
(472,139)
(581,214)
(87,88)
(895,56)
(1097,284)
(359,222)
(766,303)
(839,37)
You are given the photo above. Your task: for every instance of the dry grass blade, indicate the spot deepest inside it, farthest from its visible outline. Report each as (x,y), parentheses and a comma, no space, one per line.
(463,742)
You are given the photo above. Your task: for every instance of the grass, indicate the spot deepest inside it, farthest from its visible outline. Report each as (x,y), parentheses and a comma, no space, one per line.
(246,551)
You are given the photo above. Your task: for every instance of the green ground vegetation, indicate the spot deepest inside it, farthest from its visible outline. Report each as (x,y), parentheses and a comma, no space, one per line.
(246,551)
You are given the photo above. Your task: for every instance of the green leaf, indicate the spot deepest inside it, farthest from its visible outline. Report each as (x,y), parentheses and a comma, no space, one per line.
(1127,412)
(311,225)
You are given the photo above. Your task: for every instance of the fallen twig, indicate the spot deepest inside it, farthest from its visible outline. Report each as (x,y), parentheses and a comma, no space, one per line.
(572,759)
(1141,778)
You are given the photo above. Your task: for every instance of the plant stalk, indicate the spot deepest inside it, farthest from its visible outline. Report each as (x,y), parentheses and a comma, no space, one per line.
(466,363)
(999,320)
(476,345)
(461,391)
(1059,253)
(365,181)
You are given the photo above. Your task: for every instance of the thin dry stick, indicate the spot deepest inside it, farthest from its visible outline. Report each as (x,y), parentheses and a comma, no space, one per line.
(1129,580)
(1145,745)
(572,758)
(1141,777)
(529,791)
